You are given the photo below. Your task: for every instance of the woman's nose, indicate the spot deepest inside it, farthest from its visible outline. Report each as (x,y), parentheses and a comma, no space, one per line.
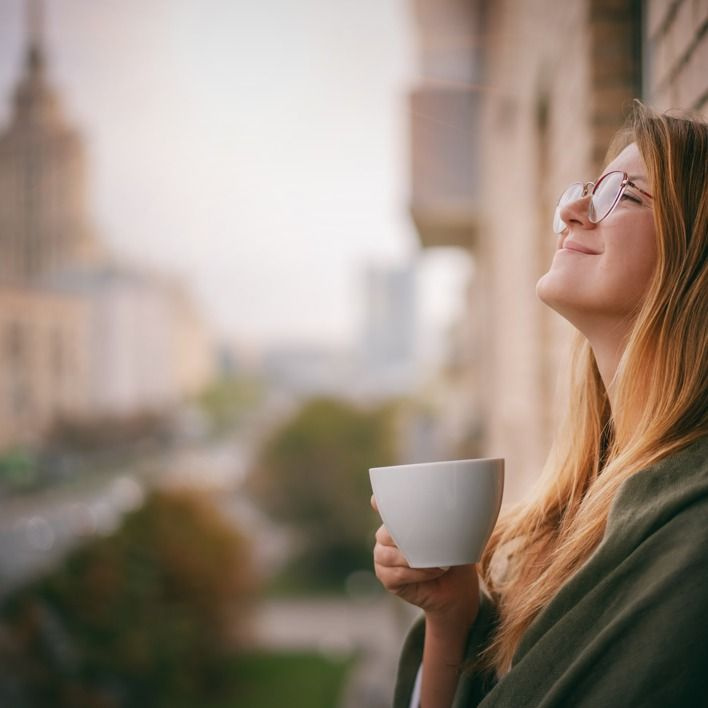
(577,212)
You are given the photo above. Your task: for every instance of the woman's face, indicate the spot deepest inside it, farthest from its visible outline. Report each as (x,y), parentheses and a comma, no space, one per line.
(600,272)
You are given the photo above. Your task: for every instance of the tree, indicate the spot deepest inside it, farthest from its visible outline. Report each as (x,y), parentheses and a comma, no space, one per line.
(145,617)
(312,473)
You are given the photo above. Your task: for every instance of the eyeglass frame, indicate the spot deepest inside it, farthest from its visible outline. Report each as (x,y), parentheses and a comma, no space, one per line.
(626,182)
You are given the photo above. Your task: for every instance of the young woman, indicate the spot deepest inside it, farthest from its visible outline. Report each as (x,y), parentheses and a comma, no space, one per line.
(595,593)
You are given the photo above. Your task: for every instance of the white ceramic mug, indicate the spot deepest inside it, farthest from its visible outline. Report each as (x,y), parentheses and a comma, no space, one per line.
(440,513)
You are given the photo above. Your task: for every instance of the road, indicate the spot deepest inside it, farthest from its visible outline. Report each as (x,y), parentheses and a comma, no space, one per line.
(37,530)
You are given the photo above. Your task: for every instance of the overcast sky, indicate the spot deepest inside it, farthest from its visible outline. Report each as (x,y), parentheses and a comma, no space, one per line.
(257,148)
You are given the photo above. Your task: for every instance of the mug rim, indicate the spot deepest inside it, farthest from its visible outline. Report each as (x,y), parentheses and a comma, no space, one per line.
(437,462)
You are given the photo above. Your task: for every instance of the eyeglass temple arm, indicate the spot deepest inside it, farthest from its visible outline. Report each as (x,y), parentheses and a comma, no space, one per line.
(639,189)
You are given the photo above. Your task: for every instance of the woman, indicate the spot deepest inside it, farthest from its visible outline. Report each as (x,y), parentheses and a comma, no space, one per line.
(595,593)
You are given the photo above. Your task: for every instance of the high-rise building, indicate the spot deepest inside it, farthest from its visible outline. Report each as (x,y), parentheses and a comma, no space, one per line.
(81,336)
(389,333)
(44,223)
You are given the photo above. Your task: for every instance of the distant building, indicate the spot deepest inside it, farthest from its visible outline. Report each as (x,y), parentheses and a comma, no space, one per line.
(388,341)
(44,366)
(302,371)
(80,335)
(193,352)
(44,223)
(147,346)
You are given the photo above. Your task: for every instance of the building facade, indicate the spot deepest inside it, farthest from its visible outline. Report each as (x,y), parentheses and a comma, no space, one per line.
(389,331)
(44,221)
(554,81)
(147,346)
(81,336)
(44,365)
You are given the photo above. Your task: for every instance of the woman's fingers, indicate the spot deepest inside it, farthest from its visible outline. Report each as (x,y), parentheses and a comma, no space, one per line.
(402,578)
(384,537)
(439,590)
(374,505)
(392,568)
(389,556)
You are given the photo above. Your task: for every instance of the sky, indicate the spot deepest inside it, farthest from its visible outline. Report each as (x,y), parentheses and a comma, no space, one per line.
(258,149)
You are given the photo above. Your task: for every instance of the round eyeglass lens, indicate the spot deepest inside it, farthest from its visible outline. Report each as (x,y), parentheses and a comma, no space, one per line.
(575,191)
(605,195)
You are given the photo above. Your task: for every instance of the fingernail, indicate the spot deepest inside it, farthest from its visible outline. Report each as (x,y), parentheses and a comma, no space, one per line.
(444,568)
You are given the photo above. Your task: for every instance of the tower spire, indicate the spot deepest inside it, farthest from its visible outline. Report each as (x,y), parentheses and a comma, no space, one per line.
(35,34)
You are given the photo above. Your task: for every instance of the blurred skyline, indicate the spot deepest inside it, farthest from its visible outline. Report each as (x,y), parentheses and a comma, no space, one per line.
(260,150)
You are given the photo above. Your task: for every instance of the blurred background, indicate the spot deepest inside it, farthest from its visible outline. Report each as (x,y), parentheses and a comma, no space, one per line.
(248,251)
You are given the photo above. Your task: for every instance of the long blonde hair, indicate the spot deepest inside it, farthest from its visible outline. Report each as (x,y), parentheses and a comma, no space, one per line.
(660,399)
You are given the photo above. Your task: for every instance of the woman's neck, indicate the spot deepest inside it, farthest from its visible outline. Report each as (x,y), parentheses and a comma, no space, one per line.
(608,347)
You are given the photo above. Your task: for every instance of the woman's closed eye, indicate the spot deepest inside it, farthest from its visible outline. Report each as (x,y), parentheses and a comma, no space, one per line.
(631,197)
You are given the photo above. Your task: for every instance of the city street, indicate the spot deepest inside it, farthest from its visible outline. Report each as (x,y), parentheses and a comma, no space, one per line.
(37,530)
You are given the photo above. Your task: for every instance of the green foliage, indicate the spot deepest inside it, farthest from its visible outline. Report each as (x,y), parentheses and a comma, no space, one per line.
(312,473)
(227,399)
(140,618)
(18,469)
(296,680)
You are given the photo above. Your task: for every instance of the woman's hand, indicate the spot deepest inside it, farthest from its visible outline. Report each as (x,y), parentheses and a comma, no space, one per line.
(450,599)
(446,595)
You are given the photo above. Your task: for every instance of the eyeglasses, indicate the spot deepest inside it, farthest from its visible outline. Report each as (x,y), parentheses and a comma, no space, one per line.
(604,195)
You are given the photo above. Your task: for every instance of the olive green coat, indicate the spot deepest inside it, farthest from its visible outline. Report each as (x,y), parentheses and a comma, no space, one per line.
(630,628)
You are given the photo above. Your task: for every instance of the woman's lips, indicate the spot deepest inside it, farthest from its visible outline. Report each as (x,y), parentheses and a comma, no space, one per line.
(579,248)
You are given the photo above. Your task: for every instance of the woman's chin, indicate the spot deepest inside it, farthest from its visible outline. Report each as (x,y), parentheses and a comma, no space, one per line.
(556,294)
(544,288)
